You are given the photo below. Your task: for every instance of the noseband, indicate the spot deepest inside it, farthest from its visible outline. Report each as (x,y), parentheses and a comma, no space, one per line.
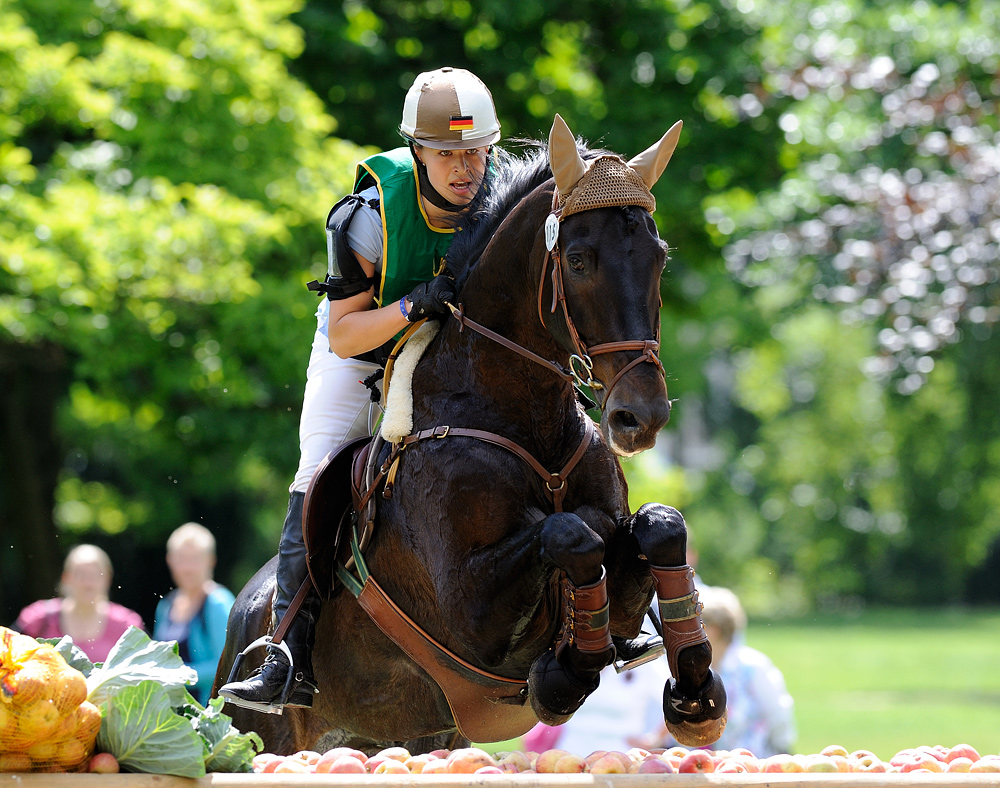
(581,365)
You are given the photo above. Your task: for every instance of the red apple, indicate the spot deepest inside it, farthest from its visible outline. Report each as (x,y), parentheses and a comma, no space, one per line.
(959,765)
(488,770)
(820,763)
(609,764)
(902,757)
(922,761)
(962,751)
(870,763)
(396,753)
(416,763)
(783,763)
(391,766)
(345,764)
(985,764)
(262,759)
(273,764)
(653,764)
(292,766)
(309,757)
(513,762)
(103,763)
(435,766)
(570,764)
(697,762)
(467,759)
(546,761)
(731,766)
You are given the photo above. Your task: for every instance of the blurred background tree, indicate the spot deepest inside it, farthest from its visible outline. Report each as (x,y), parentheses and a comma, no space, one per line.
(829,309)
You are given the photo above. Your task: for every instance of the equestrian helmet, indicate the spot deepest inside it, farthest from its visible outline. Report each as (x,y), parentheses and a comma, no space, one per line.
(449,108)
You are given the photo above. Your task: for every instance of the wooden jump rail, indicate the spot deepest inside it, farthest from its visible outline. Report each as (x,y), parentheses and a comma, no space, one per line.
(799,780)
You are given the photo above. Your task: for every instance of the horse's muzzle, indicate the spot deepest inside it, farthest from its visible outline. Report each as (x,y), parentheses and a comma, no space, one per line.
(636,411)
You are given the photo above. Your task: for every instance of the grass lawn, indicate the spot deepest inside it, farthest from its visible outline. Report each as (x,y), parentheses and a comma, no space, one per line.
(885,680)
(888,679)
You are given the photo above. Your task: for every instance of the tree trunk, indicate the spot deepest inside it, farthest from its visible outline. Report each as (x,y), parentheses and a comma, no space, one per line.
(33,379)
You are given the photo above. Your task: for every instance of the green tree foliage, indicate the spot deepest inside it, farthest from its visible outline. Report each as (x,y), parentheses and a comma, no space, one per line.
(829,307)
(874,259)
(163,183)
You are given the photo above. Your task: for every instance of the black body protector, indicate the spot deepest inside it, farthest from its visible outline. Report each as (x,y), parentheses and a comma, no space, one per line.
(344,276)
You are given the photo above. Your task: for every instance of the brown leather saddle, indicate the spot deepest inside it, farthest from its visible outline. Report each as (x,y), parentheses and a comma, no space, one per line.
(328,513)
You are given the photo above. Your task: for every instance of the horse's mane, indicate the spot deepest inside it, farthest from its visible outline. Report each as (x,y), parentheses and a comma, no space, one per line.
(511,179)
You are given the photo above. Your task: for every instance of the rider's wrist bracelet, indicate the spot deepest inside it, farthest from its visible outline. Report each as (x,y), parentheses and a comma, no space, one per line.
(402,308)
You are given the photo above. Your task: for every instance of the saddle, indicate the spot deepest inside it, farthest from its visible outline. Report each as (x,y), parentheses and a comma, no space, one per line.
(341,496)
(328,513)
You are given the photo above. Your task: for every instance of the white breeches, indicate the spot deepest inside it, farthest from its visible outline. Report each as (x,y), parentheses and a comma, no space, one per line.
(336,407)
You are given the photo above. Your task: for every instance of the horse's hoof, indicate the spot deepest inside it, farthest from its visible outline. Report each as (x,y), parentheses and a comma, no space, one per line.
(555,690)
(697,734)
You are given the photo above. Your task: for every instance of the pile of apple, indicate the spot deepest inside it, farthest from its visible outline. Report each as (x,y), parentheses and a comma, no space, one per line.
(472,760)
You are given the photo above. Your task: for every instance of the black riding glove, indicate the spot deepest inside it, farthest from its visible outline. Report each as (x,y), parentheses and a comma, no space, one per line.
(428,298)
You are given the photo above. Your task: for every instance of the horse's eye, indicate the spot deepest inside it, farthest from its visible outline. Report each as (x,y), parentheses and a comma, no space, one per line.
(576,262)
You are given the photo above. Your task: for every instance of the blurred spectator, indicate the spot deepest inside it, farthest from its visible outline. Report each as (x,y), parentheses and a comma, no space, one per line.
(195,613)
(759,706)
(619,714)
(82,610)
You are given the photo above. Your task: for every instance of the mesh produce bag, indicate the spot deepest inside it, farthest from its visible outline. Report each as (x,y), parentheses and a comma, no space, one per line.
(46,722)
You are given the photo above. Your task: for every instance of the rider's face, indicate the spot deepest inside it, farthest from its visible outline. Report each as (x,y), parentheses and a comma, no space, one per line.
(455,174)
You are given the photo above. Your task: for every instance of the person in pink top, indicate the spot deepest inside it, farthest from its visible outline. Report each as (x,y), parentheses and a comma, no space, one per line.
(83,611)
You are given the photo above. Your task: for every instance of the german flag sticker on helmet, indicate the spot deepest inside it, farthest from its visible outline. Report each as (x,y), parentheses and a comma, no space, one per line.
(449,108)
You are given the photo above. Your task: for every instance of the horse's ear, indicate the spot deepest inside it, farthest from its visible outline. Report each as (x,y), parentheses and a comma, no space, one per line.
(565,160)
(651,163)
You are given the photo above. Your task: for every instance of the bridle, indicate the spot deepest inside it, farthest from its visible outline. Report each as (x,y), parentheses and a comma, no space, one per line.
(581,366)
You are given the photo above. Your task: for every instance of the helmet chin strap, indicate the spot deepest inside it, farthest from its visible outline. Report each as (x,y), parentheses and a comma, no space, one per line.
(427,190)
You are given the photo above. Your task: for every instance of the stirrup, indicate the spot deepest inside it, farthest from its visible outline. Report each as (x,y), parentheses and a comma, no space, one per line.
(267,708)
(650,649)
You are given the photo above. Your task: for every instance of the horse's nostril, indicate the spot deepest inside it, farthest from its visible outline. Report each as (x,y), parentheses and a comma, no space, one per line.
(624,420)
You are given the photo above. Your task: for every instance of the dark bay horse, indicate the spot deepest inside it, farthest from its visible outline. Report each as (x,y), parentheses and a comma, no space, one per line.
(522,563)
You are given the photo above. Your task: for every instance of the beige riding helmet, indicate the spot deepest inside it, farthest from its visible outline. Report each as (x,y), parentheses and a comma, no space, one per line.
(450,108)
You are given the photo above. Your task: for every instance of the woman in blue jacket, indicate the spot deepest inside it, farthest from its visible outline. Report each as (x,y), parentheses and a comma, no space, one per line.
(195,613)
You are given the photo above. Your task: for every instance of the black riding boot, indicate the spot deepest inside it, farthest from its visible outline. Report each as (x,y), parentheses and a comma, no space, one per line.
(266,685)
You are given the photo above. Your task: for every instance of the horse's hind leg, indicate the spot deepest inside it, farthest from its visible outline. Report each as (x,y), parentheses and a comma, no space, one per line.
(694,701)
(562,678)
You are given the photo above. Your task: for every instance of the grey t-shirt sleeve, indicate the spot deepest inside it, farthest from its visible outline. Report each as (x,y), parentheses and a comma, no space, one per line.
(364,235)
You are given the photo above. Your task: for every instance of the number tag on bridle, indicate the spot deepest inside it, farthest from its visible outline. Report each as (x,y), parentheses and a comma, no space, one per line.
(551,231)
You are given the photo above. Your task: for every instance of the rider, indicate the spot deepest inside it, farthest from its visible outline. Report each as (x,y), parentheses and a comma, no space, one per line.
(386,244)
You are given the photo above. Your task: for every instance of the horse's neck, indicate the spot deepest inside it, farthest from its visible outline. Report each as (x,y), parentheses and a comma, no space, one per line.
(501,294)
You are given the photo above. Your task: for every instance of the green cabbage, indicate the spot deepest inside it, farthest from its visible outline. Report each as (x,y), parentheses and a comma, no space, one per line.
(141,729)
(150,722)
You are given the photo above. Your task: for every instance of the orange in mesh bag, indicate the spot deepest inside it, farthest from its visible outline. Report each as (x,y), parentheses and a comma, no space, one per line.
(46,722)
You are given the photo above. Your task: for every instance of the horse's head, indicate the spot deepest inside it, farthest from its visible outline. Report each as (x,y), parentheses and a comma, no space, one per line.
(606,265)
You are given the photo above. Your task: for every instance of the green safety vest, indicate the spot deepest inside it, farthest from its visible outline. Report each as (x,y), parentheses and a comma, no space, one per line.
(412,250)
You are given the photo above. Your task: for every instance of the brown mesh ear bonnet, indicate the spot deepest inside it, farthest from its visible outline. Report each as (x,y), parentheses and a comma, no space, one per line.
(608,180)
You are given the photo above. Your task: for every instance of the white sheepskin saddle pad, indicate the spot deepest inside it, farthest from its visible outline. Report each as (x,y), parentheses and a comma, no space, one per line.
(397,422)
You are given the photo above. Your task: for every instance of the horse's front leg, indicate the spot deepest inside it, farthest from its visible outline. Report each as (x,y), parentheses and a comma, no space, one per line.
(562,677)
(694,701)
